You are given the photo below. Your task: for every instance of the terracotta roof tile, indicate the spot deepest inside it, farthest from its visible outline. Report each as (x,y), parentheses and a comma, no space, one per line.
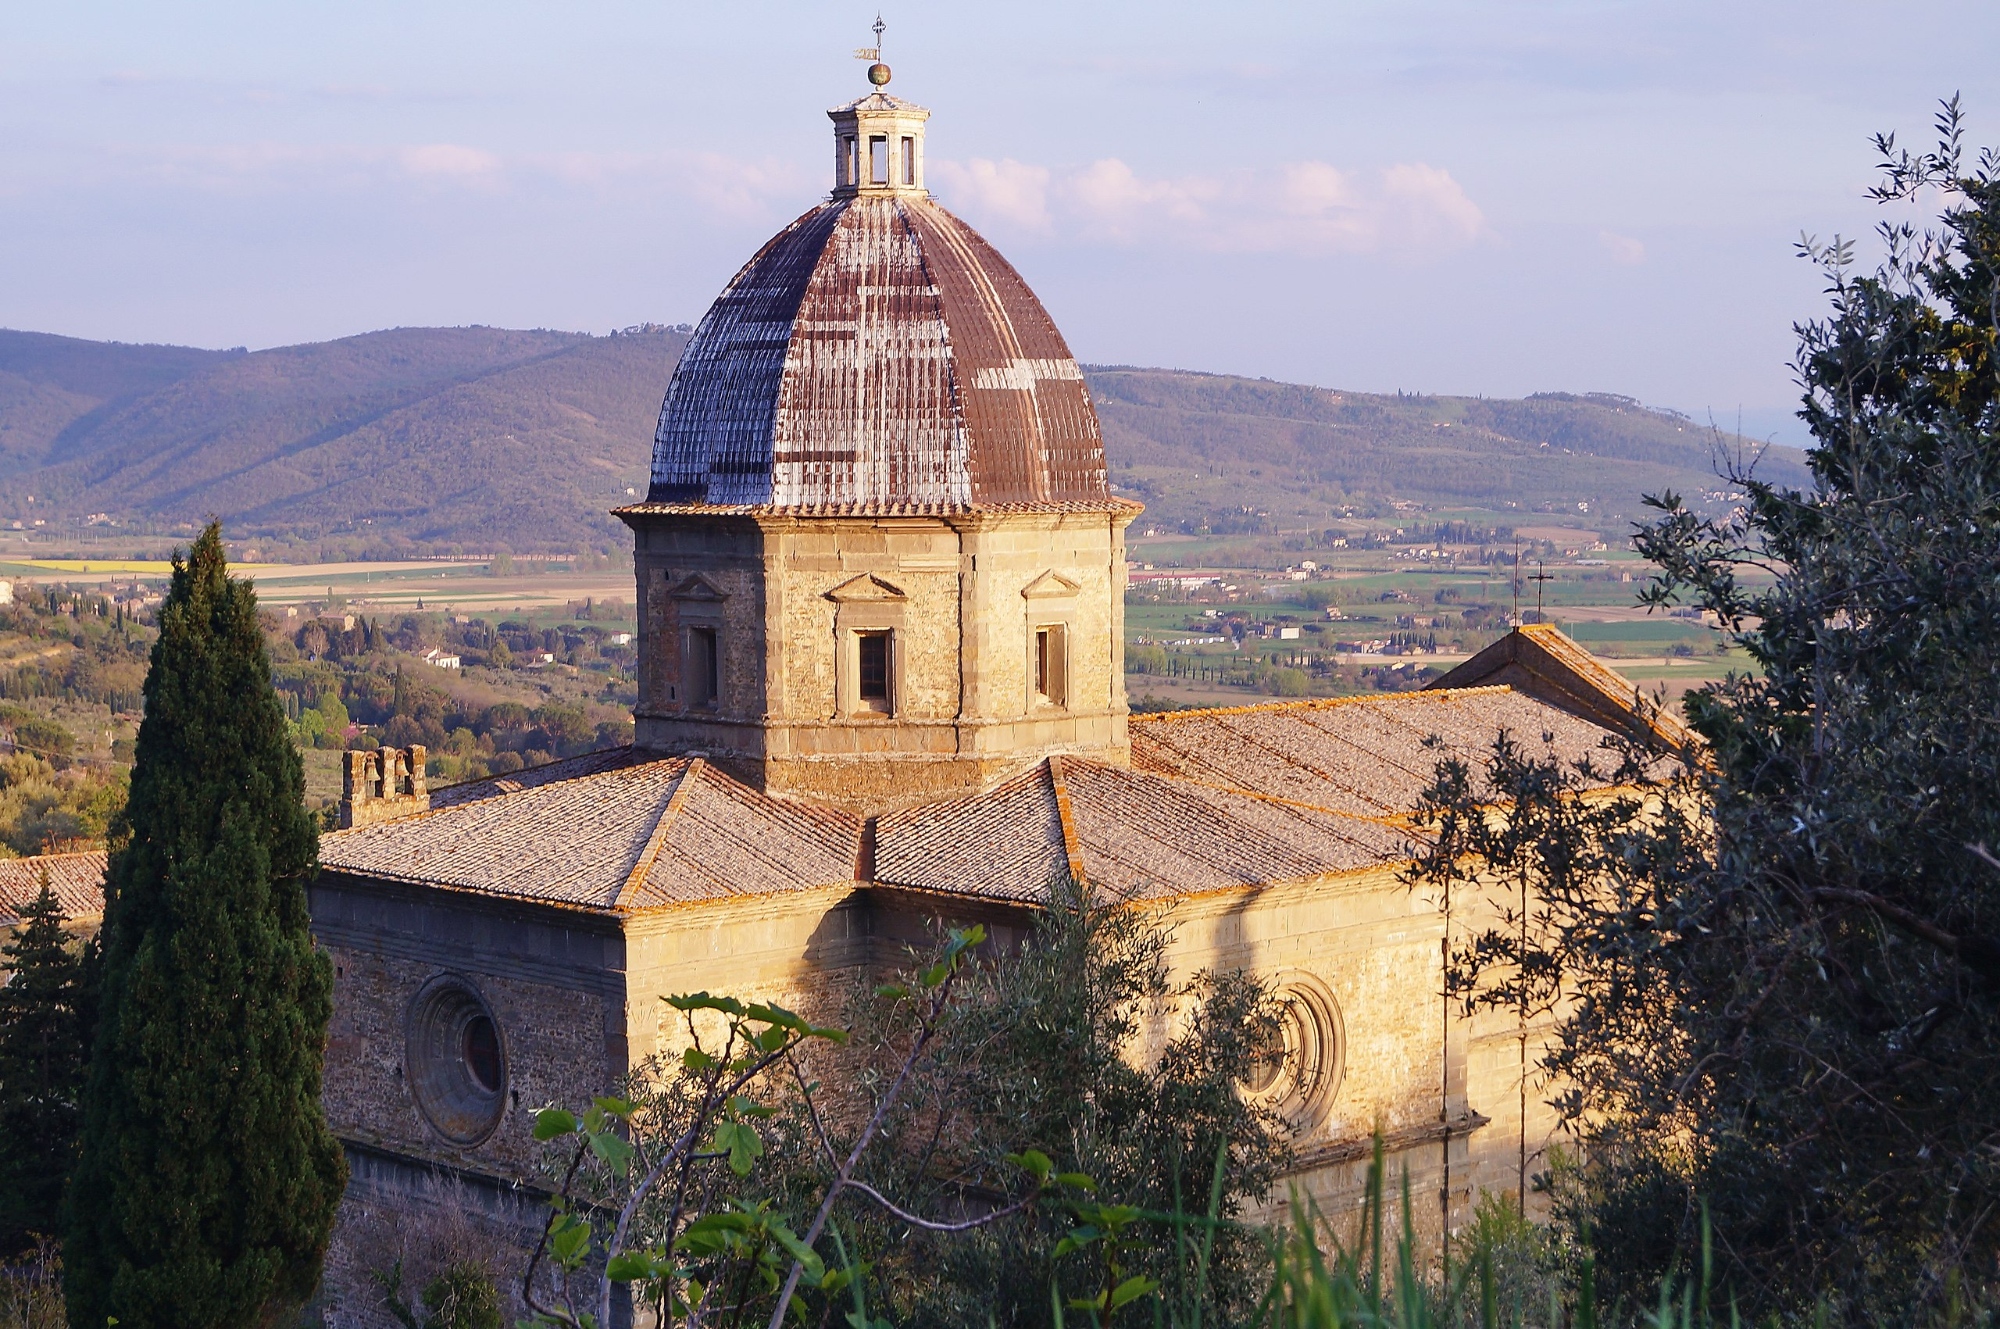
(1365,756)
(1005,843)
(1134,833)
(1149,835)
(76,879)
(580,832)
(532,777)
(727,839)
(572,840)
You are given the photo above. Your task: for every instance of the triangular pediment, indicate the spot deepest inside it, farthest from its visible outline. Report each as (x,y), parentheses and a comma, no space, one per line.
(1050,586)
(698,588)
(865,589)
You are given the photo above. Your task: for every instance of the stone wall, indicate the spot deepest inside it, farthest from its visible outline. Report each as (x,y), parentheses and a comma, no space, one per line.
(553,983)
(961,596)
(1443,1089)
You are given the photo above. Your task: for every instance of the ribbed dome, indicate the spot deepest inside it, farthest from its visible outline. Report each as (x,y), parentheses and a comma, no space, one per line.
(878,353)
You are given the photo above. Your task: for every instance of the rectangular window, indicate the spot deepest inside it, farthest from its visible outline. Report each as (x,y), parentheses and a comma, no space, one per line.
(878,159)
(704,672)
(873,675)
(1049,680)
(853,163)
(909,161)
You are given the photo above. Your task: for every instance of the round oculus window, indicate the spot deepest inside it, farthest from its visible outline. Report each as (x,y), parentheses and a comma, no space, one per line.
(1296,1070)
(456,1059)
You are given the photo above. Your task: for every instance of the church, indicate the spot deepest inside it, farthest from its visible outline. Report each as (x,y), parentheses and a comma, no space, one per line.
(881,579)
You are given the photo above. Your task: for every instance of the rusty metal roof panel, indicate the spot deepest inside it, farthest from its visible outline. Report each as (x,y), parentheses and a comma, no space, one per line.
(877,354)
(714,440)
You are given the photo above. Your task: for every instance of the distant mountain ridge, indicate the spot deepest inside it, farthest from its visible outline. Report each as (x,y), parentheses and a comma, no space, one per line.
(434,439)
(1201,447)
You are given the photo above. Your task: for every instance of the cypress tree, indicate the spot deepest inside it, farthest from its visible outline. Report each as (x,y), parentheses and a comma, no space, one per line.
(42,1058)
(207,1179)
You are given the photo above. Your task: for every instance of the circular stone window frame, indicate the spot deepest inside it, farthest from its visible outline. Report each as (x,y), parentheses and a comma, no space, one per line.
(447,1092)
(1315,1055)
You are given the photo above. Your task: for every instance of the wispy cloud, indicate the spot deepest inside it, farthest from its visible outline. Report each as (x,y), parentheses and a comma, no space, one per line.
(451,160)
(1300,208)
(1622,248)
(730,189)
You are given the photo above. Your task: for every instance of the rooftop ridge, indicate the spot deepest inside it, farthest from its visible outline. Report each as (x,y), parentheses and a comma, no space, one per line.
(502,787)
(1072,843)
(642,867)
(1320,703)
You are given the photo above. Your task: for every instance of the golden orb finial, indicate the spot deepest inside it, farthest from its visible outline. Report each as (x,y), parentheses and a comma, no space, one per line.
(878,73)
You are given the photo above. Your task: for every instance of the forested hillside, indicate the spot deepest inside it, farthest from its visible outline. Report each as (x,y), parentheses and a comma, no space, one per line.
(383,443)
(1250,454)
(472,439)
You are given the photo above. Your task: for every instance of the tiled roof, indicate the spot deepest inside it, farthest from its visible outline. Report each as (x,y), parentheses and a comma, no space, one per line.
(617,830)
(1214,800)
(1130,832)
(1540,660)
(76,879)
(569,768)
(1006,842)
(1147,835)
(1364,756)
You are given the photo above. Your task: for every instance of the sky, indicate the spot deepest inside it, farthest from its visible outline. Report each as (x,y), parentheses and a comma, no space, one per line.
(1501,198)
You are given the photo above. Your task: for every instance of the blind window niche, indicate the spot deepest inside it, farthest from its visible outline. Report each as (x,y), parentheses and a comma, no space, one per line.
(704,672)
(1051,673)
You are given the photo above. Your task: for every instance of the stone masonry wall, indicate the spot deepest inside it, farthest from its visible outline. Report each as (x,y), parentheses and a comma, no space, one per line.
(553,982)
(952,592)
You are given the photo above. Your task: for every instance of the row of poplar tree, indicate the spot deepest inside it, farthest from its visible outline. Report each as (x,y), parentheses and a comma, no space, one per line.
(160,1088)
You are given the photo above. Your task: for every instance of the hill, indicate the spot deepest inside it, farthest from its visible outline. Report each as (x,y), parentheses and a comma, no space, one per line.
(390,442)
(1250,454)
(433,439)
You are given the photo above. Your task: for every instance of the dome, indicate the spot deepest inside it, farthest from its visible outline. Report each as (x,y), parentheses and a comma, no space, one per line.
(878,353)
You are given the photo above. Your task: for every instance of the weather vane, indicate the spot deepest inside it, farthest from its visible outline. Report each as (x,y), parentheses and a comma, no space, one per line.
(878,73)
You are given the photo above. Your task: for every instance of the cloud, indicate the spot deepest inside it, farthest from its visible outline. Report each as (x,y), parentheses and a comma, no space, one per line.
(1012,191)
(1309,208)
(452,160)
(1622,248)
(728,188)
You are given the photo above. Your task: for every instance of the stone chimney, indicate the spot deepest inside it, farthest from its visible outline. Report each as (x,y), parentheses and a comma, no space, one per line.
(383,785)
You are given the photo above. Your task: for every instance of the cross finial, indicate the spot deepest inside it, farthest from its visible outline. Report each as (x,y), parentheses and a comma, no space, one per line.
(1541,576)
(873,53)
(878,73)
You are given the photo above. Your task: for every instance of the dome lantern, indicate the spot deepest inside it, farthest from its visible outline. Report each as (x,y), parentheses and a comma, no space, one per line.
(878,146)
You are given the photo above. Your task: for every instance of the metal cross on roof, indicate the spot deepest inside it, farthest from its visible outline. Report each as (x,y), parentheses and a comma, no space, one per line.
(873,53)
(1539,577)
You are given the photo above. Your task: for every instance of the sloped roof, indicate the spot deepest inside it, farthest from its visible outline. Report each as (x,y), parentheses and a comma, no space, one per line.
(76,879)
(617,830)
(877,352)
(1214,800)
(1363,756)
(1540,660)
(1131,832)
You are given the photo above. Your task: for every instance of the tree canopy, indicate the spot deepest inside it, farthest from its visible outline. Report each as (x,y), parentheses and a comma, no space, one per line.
(207,1179)
(1777,967)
